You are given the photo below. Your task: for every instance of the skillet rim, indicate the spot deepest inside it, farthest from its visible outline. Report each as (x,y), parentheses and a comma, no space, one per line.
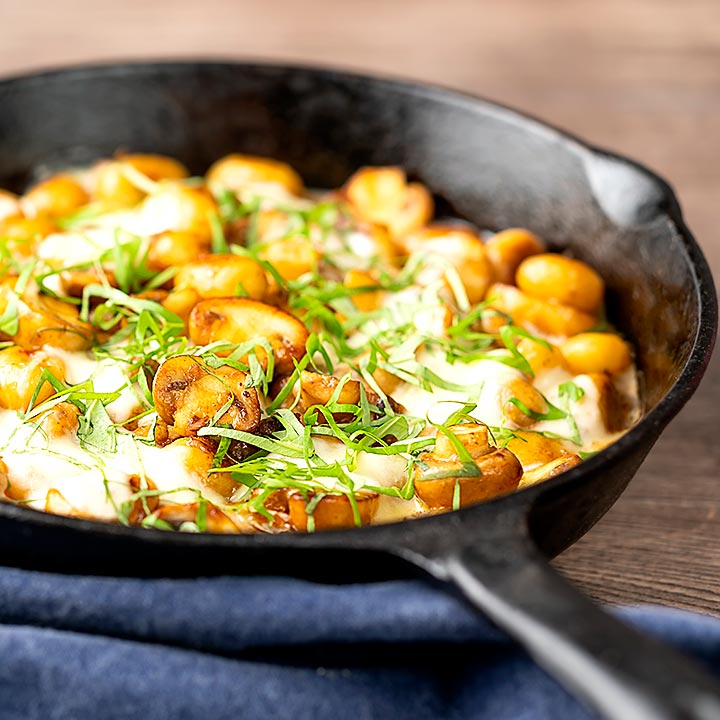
(644,433)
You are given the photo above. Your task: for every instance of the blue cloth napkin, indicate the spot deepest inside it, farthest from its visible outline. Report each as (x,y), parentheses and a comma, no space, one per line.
(217,648)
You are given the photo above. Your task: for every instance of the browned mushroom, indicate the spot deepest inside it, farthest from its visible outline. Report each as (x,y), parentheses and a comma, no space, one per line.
(318,389)
(238,320)
(188,395)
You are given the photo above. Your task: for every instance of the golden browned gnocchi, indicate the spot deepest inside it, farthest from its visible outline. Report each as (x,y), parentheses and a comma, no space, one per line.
(54,197)
(235,352)
(119,182)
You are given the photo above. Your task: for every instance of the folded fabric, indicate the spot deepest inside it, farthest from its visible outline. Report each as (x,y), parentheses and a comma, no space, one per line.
(95,648)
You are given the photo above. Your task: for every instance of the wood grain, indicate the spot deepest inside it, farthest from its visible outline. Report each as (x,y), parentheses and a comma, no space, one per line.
(641,77)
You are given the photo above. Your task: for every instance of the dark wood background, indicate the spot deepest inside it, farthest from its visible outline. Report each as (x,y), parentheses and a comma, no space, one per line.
(639,76)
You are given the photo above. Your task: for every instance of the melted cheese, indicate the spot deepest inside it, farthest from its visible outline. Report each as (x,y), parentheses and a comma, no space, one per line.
(370,469)
(36,464)
(483,381)
(107,375)
(75,248)
(92,484)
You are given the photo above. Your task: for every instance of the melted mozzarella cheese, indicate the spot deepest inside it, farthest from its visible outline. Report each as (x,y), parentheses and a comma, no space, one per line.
(369,469)
(76,248)
(92,484)
(482,381)
(107,375)
(171,470)
(37,463)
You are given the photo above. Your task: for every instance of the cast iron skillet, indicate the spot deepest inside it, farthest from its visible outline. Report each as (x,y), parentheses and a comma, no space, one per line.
(496,168)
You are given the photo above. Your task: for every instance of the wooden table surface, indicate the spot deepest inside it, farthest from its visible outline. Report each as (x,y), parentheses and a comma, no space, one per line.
(639,76)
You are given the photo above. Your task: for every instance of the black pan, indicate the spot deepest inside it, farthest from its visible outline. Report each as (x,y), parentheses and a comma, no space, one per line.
(497,169)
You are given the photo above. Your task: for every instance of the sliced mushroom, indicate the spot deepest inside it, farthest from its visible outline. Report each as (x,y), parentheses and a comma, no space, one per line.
(163,434)
(277,506)
(238,320)
(318,389)
(239,450)
(188,395)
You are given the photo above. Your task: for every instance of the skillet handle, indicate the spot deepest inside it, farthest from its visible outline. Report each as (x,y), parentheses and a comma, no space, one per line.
(617,670)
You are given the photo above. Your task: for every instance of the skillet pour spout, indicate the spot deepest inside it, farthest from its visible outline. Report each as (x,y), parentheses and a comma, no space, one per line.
(485,163)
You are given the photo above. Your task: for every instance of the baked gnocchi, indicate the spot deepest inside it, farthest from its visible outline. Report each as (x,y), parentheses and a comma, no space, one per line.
(239,353)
